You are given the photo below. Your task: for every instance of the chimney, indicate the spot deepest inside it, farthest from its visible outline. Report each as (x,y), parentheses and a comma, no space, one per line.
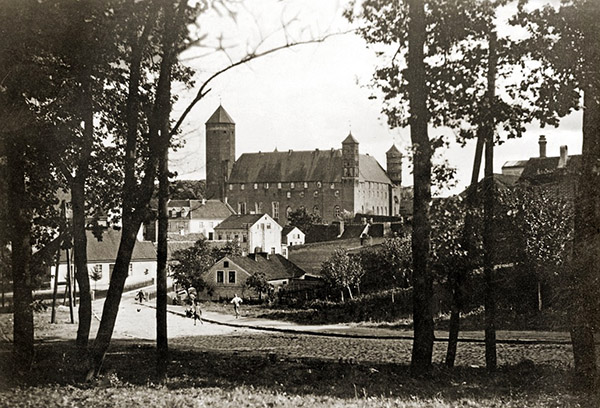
(564,157)
(542,143)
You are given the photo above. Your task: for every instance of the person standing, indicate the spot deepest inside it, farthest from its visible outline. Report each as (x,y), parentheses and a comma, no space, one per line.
(196,310)
(236,304)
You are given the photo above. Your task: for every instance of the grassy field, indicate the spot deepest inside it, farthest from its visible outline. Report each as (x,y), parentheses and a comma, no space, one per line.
(253,369)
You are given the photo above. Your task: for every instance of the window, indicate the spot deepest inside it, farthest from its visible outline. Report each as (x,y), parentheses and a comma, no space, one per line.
(288,210)
(231,276)
(279,186)
(336,211)
(316,193)
(337,193)
(231,187)
(319,184)
(225,264)
(242,186)
(244,237)
(305,184)
(220,277)
(288,194)
(242,208)
(302,194)
(220,238)
(272,251)
(332,186)
(266,185)
(130,269)
(97,271)
(275,208)
(255,186)
(292,186)
(268,225)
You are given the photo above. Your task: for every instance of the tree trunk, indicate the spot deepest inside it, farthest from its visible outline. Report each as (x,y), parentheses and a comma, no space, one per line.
(458,275)
(488,213)
(422,350)
(80,257)
(539,296)
(350,292)
(20,238)
(586,245)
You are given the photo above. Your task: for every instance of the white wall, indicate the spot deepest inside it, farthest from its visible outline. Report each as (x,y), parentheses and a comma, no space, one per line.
(140,271)
(266,234)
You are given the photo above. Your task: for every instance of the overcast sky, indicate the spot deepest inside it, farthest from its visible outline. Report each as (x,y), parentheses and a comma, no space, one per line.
(311,96)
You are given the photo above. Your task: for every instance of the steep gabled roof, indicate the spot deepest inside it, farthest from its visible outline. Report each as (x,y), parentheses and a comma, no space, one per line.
(220,116)
(275,267)
(299,166)
(210,209)
(289,228)
(546,166)
(106,250)
(239,221)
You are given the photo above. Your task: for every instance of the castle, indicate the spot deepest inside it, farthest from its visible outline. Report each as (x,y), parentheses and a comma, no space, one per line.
(329,183)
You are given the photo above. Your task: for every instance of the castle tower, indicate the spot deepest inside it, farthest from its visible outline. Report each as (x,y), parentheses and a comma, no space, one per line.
(394,165)
(220,152)
(350,162)
(350,157)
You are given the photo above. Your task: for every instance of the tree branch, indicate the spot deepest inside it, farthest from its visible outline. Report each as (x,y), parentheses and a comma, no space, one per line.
(250,57)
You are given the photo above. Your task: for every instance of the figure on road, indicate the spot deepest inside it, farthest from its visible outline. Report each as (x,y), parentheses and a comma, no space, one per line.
(141,296)
(236,304)
(196,310)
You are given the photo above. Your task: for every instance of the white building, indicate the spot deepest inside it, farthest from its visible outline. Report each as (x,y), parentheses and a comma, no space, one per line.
(292,236)
(101,255)
(255,232)
(197,216)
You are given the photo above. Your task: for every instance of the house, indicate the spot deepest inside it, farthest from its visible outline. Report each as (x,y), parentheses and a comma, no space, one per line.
(197,216)
(292,236)
(101,255)
(327,183)
(228,275)
(255,233)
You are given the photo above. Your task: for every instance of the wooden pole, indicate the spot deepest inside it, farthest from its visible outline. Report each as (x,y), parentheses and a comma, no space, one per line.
(55,290)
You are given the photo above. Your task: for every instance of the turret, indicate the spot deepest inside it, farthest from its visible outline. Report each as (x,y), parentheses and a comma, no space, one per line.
(394,165)
(220,152)
(350,157)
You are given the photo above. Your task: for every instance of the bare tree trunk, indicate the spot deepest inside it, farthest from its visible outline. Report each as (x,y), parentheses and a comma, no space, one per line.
(422,350)
(488,213)
(20,238)
(349,292)
(586,245)
(457,277)
(55,289)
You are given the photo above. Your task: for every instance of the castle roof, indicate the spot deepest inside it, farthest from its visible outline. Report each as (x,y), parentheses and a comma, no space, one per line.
(393,150)
(350,139)
(298,166)
(220,116)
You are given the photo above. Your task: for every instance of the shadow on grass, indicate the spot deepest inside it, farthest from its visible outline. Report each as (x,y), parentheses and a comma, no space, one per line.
(132,362)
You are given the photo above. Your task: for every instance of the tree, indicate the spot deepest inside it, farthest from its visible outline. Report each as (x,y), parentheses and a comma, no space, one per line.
(342,271)
(258,282)
(562,42)
(301,219)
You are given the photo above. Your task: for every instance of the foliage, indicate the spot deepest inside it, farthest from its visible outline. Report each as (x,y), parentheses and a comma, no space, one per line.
(303,220)
(258,282)
(447,228)
(187,189)
(396,254)
(188,265)
(342,271)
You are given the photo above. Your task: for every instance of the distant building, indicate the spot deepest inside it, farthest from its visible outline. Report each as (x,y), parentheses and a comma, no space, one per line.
(558,173)
(197,216)
(324,182)
(101,256)
(255,233)
(228,275)
(292,236)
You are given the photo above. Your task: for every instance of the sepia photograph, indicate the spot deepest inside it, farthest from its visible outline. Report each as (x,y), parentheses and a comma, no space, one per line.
(300,203)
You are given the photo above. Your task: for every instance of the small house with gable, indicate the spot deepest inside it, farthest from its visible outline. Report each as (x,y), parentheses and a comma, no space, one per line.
(254,232)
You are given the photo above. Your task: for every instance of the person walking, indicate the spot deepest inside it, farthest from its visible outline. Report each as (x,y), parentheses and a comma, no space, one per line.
(196,310)
(236,304)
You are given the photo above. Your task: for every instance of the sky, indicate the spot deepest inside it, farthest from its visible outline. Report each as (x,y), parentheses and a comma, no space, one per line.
(311,96)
